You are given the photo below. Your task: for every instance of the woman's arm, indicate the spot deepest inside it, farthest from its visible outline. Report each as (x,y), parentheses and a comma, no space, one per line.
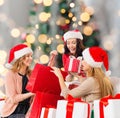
(83,89)
(12,95)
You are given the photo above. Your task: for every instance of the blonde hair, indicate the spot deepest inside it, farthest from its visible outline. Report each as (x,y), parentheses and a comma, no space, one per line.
(17,65)
(106,86)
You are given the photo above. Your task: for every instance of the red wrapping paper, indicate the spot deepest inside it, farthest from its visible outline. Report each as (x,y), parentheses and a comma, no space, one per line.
(42,79)
(42,100)
(73,65)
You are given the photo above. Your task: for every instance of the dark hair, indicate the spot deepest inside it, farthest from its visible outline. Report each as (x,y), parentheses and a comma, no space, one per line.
(79,48)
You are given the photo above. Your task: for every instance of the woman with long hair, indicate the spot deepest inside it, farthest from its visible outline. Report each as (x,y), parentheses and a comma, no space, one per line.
(97,83)
(17,100)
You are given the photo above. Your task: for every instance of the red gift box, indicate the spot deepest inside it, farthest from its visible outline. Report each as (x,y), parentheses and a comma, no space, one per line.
(42,100)
(73,64)
(42,79)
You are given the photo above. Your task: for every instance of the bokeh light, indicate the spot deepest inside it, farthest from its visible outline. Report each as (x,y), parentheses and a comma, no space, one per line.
(44,59)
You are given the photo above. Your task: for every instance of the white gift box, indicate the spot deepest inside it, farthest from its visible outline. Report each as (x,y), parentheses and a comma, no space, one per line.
(50,114)
(80,109)
(112,110)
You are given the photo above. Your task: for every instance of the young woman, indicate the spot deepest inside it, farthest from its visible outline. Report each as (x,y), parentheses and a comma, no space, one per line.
(17,97)
(97,84)
(73,46)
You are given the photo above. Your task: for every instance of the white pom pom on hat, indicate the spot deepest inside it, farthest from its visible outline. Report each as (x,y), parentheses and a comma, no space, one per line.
(96,56)
(72,34)
(16,52)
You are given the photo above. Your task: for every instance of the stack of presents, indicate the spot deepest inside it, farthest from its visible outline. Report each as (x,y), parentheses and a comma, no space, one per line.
(48,103)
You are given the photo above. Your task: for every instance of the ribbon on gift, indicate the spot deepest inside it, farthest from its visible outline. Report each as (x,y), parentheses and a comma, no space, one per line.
(47,110)
(46,113)
(104,102)
(76,62)
(69,107)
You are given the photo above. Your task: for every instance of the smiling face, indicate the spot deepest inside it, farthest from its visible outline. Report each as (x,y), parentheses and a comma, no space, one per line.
(85,66)
(27,59)
(71,45)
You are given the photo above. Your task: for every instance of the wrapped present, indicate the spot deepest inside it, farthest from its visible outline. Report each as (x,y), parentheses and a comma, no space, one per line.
(107,107)
(41,100)
(48,112)
(42,79)
(73,64)
(73,108)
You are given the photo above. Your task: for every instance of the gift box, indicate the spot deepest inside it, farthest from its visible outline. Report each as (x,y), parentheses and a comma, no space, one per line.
(42,79)
(41,100)
(74,108)
(73,64)
(48,112)
(108,107)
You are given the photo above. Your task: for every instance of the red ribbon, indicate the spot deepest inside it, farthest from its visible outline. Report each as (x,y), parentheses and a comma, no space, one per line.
(69,107)
(47,110)
(46,113)
(104,102)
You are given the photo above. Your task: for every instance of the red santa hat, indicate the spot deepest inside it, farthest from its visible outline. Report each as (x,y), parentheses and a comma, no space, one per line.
(72,34)
(16,52)
(95,57)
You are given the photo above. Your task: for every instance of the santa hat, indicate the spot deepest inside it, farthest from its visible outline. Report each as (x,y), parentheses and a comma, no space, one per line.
(16,52)
(72,34)
(95,57)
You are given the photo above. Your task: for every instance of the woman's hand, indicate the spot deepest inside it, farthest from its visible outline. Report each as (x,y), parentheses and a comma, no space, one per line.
(52,61)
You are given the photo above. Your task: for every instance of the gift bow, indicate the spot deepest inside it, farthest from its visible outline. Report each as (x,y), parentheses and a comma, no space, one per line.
(79,57)
(104,102)
(69,107)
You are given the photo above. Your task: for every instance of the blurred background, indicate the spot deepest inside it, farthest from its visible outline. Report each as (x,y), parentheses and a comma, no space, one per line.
(42,23)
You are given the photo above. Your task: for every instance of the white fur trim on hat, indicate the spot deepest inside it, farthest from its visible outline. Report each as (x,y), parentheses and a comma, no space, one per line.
(17,55)
(22,52)
(72,34)
(88,58)
(108,73)
(8,65)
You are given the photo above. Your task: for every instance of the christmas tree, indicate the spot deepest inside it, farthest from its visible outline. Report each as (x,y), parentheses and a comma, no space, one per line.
(49,20)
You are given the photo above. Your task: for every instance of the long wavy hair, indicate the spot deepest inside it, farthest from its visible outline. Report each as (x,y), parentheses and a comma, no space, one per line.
(106,87)
(79,48)
(18,64)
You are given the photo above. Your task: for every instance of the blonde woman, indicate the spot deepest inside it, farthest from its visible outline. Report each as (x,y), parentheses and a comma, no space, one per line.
(97,83)
(18,98)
